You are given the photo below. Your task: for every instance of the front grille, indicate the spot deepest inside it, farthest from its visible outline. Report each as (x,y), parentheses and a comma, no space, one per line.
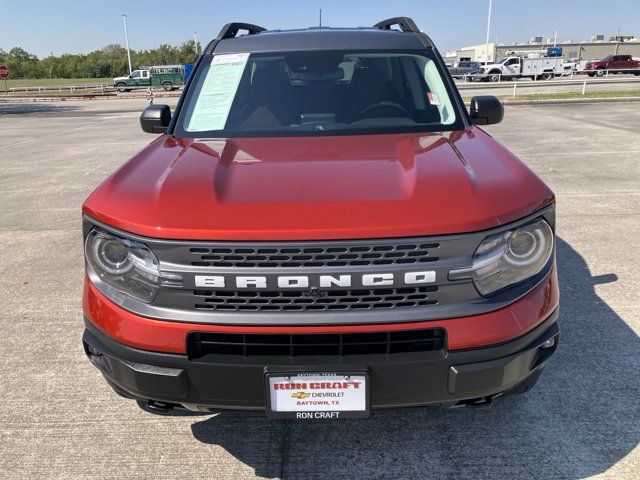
(319,301)
(331,255)
(278,300)
(200,345)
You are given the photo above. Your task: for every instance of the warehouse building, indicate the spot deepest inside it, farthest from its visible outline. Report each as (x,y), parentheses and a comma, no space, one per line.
(594,49)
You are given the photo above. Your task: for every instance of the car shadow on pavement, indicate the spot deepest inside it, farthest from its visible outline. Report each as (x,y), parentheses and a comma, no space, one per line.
(580,420)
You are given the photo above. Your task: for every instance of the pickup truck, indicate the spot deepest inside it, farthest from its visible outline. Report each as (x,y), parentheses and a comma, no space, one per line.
(461,69)
(612,64)
(321,229)
(167,77)
(517,66)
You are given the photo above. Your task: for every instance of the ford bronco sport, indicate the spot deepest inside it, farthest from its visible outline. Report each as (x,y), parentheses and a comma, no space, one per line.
(320,230)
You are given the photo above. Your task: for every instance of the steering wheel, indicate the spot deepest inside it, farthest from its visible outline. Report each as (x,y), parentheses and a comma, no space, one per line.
(389,106)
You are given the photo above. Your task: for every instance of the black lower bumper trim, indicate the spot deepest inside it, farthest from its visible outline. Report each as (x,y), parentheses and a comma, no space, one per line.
(447,379)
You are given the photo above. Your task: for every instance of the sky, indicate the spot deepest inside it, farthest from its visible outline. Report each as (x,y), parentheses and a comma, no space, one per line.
(44,27)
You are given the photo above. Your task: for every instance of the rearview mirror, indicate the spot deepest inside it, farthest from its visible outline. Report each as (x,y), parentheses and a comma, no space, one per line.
(155,118)
(486,110)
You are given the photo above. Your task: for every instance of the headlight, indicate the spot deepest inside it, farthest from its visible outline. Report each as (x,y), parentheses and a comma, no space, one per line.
(127,266)
(509,257)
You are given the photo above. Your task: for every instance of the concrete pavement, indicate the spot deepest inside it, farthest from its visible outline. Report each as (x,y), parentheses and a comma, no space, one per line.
(60,420)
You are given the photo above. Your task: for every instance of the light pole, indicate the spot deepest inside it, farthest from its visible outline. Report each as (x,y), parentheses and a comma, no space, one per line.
(195,42)
(486,48)
(126,39)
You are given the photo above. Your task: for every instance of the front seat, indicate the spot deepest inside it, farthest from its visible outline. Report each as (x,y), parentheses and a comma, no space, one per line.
(369,88)
(270,103)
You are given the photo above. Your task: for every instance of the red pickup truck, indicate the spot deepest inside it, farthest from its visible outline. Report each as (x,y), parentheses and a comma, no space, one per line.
(321,229)
(612,64)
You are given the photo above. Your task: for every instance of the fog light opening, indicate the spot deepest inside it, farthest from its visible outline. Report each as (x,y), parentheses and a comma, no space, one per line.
(548,343)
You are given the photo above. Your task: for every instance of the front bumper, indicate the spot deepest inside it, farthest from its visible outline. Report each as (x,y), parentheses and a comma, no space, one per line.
(446,379)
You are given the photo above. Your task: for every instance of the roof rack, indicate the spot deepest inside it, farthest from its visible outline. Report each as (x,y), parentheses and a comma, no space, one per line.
(230,30)
(406,24)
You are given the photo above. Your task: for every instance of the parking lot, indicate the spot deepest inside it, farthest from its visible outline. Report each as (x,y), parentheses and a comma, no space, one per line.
(60,419)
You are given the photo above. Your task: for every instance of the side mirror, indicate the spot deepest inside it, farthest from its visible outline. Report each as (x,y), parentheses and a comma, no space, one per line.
(155,118)
(486,110)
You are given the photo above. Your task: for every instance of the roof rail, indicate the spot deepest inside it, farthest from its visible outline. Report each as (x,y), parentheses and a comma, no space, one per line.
(406,24)
(230,30)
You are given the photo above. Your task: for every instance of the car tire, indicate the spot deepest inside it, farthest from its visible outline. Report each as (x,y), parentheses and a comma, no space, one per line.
(591,74)
(600,72)
(122,87)
(494,77)
(168,86)
(546,76)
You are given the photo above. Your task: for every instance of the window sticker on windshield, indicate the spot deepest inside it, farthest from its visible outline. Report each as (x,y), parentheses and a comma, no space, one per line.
(218,91)
(433,98)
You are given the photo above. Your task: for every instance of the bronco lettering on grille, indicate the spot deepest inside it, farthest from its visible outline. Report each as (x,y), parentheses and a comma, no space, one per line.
(322,281)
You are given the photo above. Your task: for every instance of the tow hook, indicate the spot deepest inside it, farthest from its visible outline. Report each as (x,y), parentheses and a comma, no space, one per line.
(152,406)
(482,403)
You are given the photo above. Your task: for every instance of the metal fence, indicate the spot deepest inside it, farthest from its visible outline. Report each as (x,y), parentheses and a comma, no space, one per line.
(582,83)
(598,73)
(62,88)
(97,88)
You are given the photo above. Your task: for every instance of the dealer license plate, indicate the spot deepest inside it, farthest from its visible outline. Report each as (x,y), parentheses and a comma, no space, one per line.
(306,396)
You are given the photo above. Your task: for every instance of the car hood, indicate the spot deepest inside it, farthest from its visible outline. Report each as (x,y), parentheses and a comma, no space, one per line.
(120,79)
(311,188)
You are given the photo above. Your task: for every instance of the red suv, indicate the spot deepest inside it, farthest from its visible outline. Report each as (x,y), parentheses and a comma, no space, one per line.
(320,229)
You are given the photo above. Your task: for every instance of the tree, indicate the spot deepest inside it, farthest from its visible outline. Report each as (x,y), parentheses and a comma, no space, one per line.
(109,61)
(20,55)
(187,52)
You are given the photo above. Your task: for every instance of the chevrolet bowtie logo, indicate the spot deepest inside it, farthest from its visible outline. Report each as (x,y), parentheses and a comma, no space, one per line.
(300,395)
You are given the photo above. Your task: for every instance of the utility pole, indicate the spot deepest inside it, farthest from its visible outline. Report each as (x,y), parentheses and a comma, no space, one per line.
(486,51)
(195,41)
(126,39)
(320,20)
(555,39)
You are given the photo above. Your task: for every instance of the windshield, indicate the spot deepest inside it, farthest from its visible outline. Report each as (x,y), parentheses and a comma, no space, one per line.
(309,93)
